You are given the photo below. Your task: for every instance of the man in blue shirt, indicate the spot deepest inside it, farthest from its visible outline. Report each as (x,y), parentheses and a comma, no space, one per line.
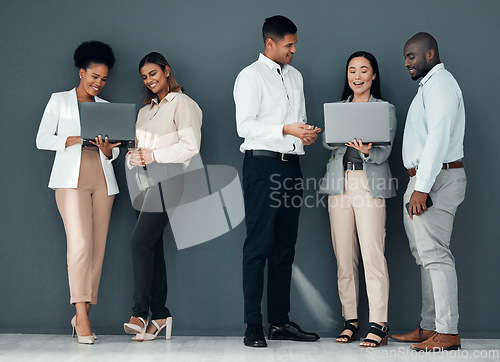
(432,153)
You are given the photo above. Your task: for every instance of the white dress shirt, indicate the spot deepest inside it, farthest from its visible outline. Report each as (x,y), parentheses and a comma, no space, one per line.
(267,98)
(435,127)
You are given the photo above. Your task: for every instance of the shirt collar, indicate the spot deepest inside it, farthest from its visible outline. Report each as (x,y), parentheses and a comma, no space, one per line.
(431,73)
(272,65)
(168,98)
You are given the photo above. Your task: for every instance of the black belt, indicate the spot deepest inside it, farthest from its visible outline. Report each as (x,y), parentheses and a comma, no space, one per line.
(353,166)
(279,156)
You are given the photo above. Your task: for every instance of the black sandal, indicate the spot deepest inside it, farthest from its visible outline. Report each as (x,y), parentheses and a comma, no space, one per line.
(381,331)
(355,331)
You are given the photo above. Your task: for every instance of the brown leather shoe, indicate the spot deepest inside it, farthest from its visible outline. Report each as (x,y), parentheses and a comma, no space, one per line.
(439,342)
(418,335)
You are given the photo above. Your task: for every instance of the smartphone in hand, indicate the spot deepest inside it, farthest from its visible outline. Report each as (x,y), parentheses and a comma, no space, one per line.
(428,203)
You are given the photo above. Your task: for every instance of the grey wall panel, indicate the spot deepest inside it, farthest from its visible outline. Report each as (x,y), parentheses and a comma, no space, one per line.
(207,44)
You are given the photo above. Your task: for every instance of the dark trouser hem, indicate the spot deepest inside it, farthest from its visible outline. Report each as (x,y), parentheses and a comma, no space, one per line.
(150,276)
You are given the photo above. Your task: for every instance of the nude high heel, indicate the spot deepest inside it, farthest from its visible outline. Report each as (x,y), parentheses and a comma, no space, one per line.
(81,339)
(168,330)
(73,323)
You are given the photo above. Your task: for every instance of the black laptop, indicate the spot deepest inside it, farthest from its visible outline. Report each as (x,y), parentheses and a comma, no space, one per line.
(115,120)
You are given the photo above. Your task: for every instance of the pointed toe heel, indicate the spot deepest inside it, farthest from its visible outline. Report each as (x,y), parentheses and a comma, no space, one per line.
(81,339)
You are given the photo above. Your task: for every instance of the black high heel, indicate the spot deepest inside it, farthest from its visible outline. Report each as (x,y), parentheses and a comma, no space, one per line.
(355,331)
(381,331)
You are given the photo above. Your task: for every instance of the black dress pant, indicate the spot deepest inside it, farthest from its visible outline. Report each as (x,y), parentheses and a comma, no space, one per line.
(273,196)
(150,274)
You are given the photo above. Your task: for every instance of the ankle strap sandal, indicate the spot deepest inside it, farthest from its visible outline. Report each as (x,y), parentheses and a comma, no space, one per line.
(355,331)
(378,330)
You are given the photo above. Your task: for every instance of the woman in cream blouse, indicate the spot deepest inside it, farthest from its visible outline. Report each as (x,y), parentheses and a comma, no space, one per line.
(168,135)
(83,179)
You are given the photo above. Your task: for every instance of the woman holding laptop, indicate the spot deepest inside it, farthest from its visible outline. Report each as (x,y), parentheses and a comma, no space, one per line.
(358,180)
(168,135)
(83,179)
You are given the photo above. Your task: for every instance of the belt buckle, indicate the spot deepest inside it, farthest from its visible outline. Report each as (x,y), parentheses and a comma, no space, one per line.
(446,166)
(282,158)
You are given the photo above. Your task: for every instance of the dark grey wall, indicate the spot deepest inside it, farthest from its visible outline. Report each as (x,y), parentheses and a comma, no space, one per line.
(207,44)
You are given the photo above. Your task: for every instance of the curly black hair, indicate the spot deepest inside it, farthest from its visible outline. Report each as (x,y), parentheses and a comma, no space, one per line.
(93,52)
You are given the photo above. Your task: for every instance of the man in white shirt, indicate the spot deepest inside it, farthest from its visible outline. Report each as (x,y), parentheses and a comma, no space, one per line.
(432,153)
(271,117)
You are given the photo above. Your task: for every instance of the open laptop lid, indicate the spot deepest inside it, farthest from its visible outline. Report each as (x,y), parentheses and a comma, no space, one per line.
(367,121)
(115,120)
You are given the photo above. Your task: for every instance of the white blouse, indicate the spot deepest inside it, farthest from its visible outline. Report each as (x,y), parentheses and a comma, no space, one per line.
(170,128)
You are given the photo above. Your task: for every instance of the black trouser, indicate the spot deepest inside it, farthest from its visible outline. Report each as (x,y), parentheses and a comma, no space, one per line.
(273,196)
(150,274)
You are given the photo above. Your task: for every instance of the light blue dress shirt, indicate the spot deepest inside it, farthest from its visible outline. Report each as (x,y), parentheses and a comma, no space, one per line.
(435,127)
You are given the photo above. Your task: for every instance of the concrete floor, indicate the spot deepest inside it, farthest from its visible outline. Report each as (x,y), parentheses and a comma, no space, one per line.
(33,347)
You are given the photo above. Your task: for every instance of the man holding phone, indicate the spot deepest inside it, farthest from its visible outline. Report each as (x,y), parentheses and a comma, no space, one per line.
(432,153)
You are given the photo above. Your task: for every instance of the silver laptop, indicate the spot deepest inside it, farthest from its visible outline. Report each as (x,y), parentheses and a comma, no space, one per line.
(365,121)
(115,120)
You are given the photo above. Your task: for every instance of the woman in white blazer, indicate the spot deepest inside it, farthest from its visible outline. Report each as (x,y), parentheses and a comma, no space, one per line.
(83,180)
(358,180)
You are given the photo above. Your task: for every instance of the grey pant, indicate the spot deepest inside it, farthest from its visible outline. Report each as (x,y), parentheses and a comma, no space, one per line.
(429,236)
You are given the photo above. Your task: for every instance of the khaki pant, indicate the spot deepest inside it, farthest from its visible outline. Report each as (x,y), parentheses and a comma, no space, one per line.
(85,212)
(357,211)
(429,236)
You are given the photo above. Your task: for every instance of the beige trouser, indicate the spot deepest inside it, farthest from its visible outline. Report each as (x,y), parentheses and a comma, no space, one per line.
(85,212)
(356,210)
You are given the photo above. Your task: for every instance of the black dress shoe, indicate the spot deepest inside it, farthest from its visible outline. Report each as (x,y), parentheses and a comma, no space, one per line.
(290,331)
(254,336)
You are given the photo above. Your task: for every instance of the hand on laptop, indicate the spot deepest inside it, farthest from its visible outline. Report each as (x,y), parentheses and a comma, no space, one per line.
(360,146)
(104,145)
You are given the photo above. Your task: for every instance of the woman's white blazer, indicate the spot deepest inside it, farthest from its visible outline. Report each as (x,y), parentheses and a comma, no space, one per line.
(60,120)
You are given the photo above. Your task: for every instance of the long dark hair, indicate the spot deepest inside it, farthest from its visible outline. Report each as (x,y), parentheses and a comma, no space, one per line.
(375,89)
(158,59)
